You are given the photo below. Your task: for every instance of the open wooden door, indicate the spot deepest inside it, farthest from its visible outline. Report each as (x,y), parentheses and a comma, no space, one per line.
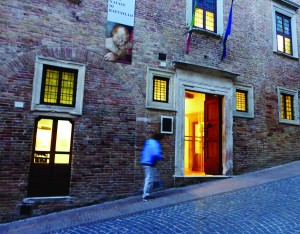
(212,142)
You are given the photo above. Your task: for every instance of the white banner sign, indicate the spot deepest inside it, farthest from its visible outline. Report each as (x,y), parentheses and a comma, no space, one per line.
(121,11)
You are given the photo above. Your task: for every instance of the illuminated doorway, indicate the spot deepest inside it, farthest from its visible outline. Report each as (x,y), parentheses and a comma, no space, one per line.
(51,160)
(202,134)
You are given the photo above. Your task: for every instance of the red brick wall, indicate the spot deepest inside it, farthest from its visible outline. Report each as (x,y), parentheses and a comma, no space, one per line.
(108,139)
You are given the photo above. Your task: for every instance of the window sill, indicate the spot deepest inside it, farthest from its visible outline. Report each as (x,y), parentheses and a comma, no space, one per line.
(35,200)
(243,115)
(291,122)
(161,108)
(57,109)
(286,55)
(206,32)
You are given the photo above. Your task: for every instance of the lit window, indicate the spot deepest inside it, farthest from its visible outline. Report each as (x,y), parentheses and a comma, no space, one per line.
(286,102)
(284,17)
(288,106)
(284,35)
(53,141)
(59,86)
(241,100)
(205,14)
(160,89)
(199,18)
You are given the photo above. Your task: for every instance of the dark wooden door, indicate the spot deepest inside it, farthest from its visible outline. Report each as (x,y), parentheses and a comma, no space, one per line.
(51,161)
(212,138)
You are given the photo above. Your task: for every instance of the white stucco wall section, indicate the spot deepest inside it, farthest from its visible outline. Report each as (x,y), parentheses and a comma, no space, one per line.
(212,83)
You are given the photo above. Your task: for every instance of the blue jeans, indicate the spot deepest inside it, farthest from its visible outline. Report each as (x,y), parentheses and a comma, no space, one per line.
(150,173)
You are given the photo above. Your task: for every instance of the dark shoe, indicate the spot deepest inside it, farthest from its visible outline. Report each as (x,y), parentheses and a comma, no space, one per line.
(145,199)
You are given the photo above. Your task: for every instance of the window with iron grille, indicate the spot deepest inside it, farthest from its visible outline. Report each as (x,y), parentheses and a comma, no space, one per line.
(205,14)
(241,100)
(160,89)
(58,86)
(287,106)
(284,33)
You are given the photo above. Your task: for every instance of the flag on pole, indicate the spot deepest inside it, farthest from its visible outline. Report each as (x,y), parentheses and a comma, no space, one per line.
(189,33)
(227,33)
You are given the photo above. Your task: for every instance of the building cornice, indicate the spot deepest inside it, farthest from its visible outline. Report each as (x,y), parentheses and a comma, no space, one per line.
(289,3)
(203,69)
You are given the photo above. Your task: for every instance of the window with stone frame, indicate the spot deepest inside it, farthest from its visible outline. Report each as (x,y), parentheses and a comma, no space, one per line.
(58,86)
(208,15)
(205,14)
(284,27)
(284,34)
(243,105)
(160,89)
(288,106)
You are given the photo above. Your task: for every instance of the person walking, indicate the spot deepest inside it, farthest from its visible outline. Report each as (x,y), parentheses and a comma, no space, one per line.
(151,153)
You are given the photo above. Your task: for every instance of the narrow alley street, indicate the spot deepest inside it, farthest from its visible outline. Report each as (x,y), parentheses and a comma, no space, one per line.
(269,208)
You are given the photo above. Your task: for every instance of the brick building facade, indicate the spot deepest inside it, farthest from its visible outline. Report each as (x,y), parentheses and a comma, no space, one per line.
(221,118)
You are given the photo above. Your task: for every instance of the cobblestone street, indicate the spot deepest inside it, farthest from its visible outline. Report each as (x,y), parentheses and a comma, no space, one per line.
(265,201)
(269,208)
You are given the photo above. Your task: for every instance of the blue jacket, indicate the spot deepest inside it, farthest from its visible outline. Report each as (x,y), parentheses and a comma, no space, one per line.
(151,152)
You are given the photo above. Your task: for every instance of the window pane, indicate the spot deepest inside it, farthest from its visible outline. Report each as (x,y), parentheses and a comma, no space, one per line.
(62,159)
(198,18)
(63,138)
(282,106)
(210,4)
(160,92)
(280,43)
(43,135)
(51,86)
(241,100)
(279,27)
(201,2)
(41,158)
(287,45)
(210,21)
(287,26)
(289,113)
(67,87)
